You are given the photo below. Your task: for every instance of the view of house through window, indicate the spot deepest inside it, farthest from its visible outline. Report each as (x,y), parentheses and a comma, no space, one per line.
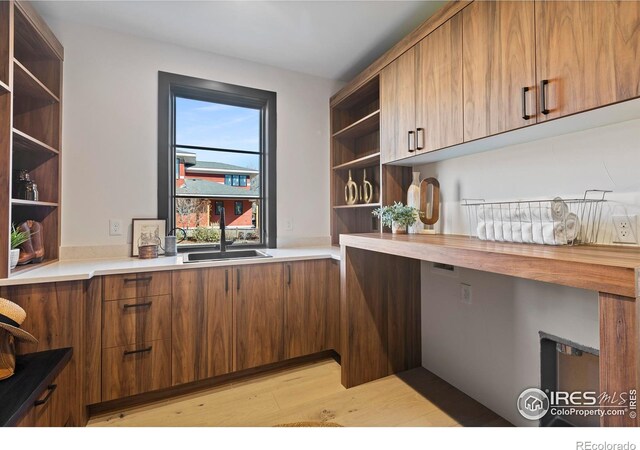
(218,159)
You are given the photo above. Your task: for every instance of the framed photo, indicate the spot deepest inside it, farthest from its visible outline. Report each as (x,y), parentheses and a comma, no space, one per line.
(147,232)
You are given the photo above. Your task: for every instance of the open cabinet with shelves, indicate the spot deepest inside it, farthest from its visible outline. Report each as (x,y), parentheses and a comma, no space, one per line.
(30,126)
(355,150)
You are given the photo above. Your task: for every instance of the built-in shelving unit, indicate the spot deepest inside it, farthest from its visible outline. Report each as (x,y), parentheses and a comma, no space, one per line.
(355,150)
(30,124)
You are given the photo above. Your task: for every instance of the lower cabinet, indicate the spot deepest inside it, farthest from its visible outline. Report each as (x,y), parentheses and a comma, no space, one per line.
(259,315)
(202,319)
(135,369)
(53,408)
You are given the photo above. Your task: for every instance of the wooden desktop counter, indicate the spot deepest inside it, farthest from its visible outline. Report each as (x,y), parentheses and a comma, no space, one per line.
(380,306)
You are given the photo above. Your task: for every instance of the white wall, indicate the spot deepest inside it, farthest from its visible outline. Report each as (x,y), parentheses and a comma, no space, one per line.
(110,133)
(490,349)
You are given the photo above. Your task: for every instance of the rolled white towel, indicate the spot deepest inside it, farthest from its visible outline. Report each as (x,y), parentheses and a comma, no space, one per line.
(498,231)
(481,231)
(516,232)
(527,233)
(491,236)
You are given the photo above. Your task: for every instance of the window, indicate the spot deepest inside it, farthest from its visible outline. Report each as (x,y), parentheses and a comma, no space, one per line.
(216,149)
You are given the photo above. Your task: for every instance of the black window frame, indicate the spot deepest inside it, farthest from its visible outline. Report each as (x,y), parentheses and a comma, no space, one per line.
(172,85)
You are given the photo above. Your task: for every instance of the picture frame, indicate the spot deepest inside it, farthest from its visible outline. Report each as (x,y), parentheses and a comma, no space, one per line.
(147,231)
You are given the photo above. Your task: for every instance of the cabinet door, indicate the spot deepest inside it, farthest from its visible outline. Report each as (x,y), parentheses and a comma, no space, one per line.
(306,295)
(439,87)
(202,324)
(54,316)
(588,52)
(498,63)
(397,108)
(259,315)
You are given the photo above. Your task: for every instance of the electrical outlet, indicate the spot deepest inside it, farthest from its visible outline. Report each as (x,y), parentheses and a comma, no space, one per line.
(288,224)
(625,229)
(465,293)
(115,227)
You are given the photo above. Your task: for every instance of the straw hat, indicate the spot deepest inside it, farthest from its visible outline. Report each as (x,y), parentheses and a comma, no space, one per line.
(11,317)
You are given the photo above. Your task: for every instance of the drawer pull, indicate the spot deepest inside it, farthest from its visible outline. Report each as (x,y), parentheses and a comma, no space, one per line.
(543,97)
(51,388)
(142,350)
(137,305)
(138,280)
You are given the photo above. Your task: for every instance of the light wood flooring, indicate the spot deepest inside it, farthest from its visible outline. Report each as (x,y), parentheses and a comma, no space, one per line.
(312,392)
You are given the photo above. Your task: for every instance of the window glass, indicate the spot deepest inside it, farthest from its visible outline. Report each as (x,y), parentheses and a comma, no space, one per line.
(238,208)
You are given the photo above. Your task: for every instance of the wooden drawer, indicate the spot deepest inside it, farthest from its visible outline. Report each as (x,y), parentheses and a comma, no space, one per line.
(52,409)
(127,322)
(136,285)
(135,369)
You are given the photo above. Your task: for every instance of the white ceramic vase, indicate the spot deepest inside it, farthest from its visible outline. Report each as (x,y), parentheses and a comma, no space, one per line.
(413,199)
(13,258)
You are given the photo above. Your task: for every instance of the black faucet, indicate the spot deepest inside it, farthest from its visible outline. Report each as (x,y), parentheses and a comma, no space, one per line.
(223,238)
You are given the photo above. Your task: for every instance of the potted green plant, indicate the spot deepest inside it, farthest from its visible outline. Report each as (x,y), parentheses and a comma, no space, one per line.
(17,239)
(397,217)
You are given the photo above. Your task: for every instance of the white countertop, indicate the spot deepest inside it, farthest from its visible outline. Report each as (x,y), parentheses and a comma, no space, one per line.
(73,270)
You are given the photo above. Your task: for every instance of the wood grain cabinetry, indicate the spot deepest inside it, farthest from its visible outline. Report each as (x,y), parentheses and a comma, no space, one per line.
(398,108)
(309,314)
(135,369)
(498,64)
(136,320)
(201,331)
(136,285)
(259,315)
(54,317)
(52,409)
(587,54)
(439,87)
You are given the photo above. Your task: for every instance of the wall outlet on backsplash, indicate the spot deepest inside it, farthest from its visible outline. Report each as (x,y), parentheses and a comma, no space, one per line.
(625,229)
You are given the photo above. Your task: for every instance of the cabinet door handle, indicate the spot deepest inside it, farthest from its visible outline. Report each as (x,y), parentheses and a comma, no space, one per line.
(543,97)
(142,350)
(237,279)
(410,142)
(525,116)
(289,274)
(137,305)
(226,281)
(419,142)
(51,388)
(138,280)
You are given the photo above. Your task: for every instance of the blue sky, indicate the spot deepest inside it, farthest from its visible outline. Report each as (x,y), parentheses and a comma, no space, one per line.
(222,126)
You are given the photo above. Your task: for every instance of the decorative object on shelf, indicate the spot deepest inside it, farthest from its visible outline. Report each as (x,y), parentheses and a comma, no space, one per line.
(366,190)
(351,191)
(171,241)
(24,188)
(413,200)
(397,217)
(429,205)
(11,318)
(147,232)
(31,250)
(549,222)
(18,237)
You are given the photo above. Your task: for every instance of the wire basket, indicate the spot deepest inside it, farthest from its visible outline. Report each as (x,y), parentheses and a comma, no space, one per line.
(546,222)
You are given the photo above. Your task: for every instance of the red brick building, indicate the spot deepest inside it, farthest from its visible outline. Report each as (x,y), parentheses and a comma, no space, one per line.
(204,187)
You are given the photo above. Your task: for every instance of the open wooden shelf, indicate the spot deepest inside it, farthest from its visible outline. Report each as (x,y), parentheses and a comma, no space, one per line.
(4,87)
(364,161)
(368,124)
(29,152)
(20,202)
(358,205)
(32,266)
(25,84)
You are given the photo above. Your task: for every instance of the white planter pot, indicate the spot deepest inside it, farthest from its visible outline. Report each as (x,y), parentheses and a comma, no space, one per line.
(13,258)
(413,199)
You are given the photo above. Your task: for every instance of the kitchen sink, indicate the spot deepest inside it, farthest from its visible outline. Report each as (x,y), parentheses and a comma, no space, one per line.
(219,256)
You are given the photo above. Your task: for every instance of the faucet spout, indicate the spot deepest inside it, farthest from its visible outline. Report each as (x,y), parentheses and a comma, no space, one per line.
(223,226)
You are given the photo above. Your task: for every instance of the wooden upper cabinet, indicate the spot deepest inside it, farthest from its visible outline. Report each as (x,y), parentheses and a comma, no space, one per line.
(201,330)
(439,87)
(498,63)
(259,315)
(398,108)
(589,53)
(306,300)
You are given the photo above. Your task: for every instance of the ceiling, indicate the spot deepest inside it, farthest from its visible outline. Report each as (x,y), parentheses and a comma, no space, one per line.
(330,39)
